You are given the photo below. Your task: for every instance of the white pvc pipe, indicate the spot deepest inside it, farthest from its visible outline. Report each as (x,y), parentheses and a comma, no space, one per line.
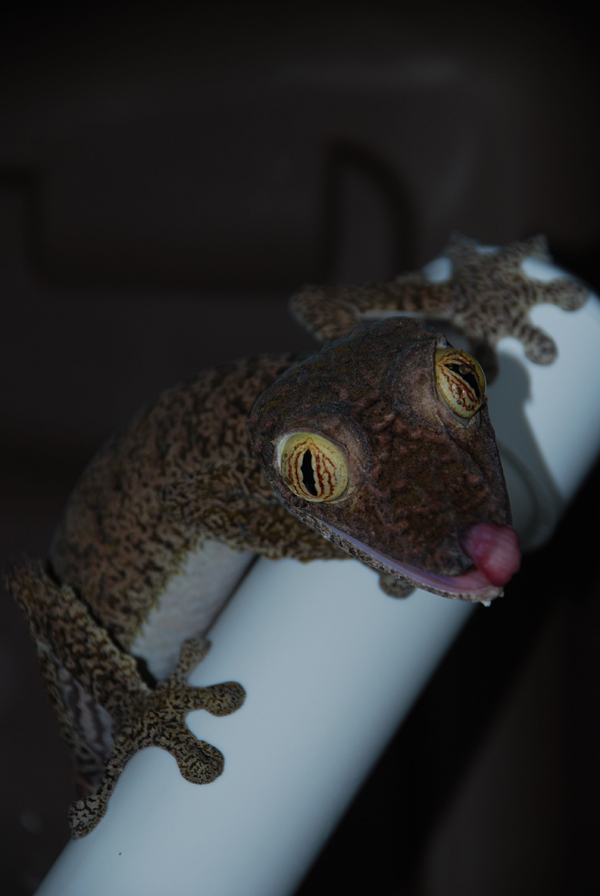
(547,419)
(331,666)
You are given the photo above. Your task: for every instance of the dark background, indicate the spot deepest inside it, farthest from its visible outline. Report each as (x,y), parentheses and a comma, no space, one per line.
(167,178)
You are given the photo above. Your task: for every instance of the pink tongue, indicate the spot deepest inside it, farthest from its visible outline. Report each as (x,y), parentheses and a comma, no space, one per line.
(494,550)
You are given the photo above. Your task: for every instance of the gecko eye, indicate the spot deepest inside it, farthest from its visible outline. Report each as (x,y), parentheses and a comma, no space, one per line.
(460,381)
(313,467)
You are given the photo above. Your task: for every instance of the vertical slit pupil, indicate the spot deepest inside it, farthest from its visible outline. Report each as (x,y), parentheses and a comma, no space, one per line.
(468,376)
(308,476)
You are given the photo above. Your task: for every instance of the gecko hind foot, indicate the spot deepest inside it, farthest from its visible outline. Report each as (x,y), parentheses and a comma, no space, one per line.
(159,721)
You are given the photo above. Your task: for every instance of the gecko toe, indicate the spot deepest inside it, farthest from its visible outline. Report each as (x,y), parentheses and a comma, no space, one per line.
(537,247)
(193,651)
(83,817)
(223,699)
(566,293)
(198,761)
(539,347)
(395,587)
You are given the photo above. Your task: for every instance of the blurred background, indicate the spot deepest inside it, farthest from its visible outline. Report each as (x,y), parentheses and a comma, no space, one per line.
(168,176)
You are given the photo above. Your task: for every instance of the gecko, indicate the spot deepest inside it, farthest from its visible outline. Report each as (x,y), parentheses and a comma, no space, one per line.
(379,447)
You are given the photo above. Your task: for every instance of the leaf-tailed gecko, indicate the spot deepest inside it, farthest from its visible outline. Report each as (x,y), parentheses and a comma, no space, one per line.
(379,447)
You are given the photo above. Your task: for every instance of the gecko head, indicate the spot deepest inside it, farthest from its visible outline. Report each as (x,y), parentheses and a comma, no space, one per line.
(382,443)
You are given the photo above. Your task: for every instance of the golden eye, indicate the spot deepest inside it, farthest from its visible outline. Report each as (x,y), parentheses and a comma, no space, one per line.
(313,467)
(460,381)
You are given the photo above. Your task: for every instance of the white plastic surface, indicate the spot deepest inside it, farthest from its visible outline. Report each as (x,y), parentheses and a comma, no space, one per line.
(331,666)
(547,419)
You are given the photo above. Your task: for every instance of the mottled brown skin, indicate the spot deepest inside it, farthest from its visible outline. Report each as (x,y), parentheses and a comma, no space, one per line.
(142,716)
(421,478)
(180,472)
(486,298)
(183,474)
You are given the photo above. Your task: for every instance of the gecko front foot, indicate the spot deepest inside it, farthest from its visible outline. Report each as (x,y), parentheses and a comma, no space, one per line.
(395,587)
(158,720)
(487,295)
(494,294)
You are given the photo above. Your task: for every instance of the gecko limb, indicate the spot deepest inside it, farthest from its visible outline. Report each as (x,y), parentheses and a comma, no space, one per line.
(158,720)
(487,296)
(69,641)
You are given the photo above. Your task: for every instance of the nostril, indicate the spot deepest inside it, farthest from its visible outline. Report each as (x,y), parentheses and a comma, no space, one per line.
(494,550)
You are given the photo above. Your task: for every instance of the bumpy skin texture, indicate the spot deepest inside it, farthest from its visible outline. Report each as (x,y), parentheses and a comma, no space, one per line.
(182,474)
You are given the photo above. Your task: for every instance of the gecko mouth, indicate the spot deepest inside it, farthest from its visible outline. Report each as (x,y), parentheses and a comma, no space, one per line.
(494,551)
